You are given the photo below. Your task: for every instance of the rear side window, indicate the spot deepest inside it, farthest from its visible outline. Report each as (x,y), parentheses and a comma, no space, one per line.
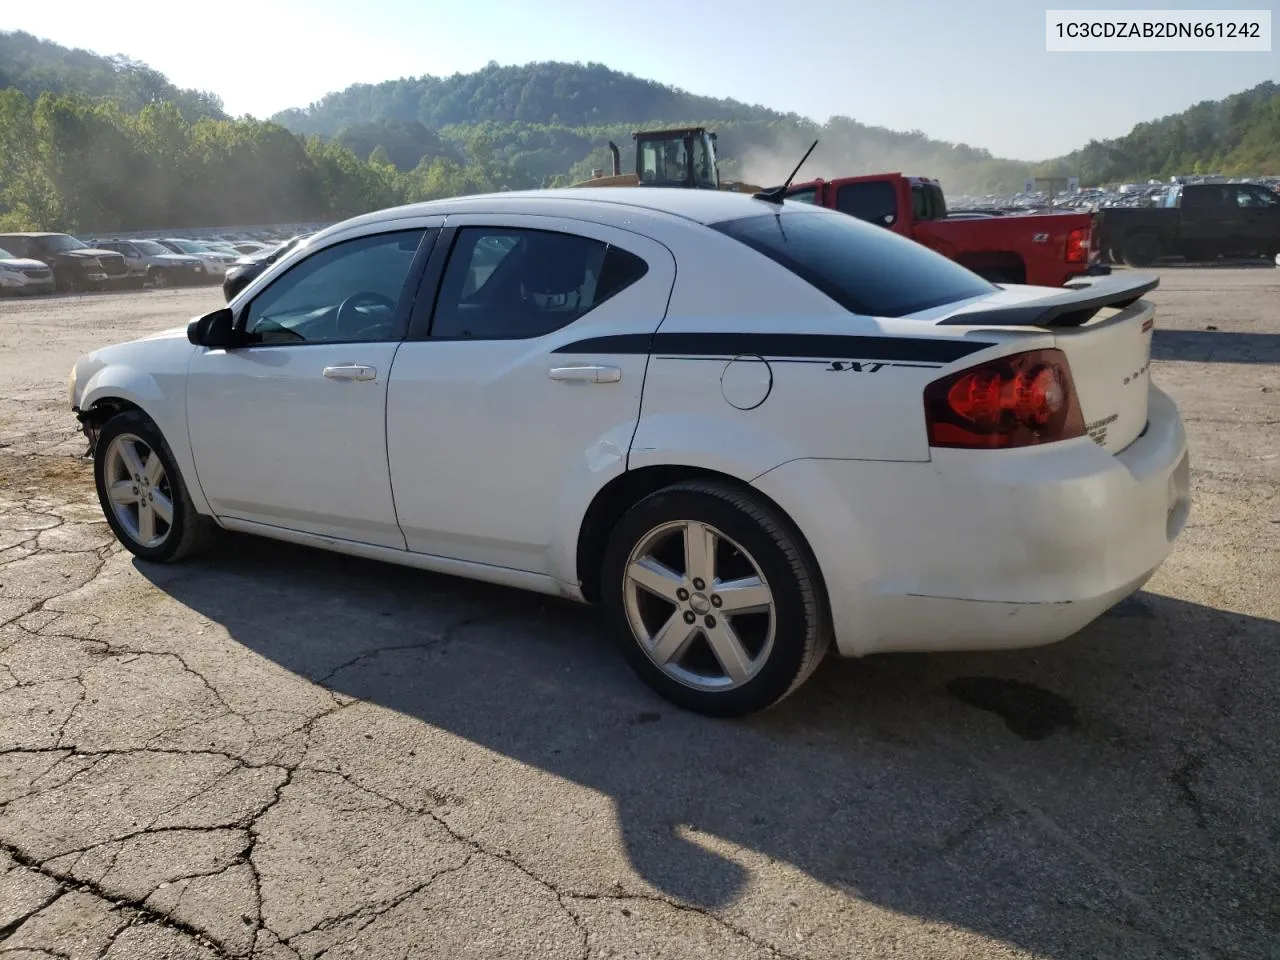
(507,283)
(875,201)
(865,269)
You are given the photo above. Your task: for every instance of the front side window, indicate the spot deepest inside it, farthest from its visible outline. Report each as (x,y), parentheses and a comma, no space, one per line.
(1256,197)
(806,195)
(867,270)
(505,283)
(349,292)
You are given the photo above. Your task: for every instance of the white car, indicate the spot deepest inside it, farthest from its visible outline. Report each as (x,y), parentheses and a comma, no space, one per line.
(747,429)
(24,275)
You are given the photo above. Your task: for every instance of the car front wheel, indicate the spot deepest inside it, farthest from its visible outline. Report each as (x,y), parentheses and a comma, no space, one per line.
(142,493)
(714,598)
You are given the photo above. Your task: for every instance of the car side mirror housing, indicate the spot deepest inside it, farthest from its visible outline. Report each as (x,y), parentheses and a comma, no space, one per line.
(214,330)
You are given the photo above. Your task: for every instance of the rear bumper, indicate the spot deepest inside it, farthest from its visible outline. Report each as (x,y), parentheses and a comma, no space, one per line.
(989,549)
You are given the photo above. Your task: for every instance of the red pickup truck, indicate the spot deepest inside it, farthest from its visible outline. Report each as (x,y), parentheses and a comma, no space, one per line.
(1045,250)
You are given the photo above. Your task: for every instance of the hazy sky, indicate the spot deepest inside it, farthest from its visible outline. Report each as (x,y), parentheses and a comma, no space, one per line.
(974,72)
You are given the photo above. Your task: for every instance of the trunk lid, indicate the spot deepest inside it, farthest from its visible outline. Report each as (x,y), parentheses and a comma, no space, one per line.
(1103,327)
(1110,359)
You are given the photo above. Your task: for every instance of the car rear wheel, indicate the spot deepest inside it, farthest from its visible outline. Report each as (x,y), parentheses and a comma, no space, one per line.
(142,493)
(714,599)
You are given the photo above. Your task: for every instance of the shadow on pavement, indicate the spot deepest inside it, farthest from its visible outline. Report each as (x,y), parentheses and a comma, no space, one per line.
(1215,346)
(1107,796)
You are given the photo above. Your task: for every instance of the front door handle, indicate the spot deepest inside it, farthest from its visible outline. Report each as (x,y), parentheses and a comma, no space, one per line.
(350,371)
(586,374)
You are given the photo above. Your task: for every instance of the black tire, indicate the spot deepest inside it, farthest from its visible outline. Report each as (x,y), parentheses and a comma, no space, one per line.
(802,631)
(189,531)
(1142,249)
(159,279)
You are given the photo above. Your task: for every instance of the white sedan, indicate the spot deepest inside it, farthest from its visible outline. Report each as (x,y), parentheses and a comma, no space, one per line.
(749,430)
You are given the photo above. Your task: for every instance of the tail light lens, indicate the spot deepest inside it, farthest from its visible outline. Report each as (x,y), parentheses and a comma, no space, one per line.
(1015,401)
(1078,245)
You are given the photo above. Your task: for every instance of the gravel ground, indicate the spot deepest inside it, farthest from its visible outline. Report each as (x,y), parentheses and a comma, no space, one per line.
(281,753)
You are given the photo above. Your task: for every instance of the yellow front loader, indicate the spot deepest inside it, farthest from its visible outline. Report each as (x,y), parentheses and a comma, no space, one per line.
(683,157)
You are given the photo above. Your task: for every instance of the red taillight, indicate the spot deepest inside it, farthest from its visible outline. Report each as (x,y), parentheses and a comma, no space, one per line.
(1016,401)
(1078,245)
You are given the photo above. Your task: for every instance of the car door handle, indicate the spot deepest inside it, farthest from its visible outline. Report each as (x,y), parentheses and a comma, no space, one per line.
(350,371)
(586,374)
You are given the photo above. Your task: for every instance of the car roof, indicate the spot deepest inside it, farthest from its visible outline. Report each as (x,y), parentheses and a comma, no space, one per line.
(604,203)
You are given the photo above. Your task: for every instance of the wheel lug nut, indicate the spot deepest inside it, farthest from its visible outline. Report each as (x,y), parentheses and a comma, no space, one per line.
(682,594)
(698,584)
(710,621)
(715,600)
(689,617)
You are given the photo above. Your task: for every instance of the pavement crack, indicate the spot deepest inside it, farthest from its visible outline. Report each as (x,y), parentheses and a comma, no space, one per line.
(140,909)
(367,913)
(1182,777)
(11,927)
(444,637)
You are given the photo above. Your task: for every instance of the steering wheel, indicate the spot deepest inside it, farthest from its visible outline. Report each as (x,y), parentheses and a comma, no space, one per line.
(347,313)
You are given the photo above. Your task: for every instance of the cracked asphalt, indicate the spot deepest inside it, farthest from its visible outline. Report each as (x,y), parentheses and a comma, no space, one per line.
(277,753)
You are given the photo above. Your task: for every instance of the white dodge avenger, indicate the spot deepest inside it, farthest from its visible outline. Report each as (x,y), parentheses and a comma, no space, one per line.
(749,430)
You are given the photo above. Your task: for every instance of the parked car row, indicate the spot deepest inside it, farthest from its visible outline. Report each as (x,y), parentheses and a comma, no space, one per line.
(44,263)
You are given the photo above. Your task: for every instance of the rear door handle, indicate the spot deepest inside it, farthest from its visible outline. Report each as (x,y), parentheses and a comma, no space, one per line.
(586,374)
(350,371)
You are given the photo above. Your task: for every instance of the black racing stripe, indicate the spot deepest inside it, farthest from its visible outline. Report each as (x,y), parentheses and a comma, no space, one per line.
(817,346)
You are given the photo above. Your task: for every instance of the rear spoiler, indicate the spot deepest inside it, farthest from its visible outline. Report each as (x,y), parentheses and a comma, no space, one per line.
(1074,306)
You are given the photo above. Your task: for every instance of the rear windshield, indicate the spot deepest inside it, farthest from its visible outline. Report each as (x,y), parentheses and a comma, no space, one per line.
(866,269)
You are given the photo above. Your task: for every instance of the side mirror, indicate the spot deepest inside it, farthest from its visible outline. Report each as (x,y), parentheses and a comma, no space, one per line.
(213,329)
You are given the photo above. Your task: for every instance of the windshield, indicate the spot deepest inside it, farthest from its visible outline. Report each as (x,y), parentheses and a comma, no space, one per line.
(151,248)
(188,246)
(866,269)
(61,243)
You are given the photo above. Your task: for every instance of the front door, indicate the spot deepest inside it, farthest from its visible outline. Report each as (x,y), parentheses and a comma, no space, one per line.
(1259,212)
(289,428)
(521,398)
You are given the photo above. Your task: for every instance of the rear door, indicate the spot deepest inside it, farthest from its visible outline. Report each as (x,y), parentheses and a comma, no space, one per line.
(1207,218)
(517,396)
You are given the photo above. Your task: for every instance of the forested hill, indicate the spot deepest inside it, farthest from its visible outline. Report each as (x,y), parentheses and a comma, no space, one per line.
(555,118)
(93,143)
(37,66)
(1237,135)
(551,93)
